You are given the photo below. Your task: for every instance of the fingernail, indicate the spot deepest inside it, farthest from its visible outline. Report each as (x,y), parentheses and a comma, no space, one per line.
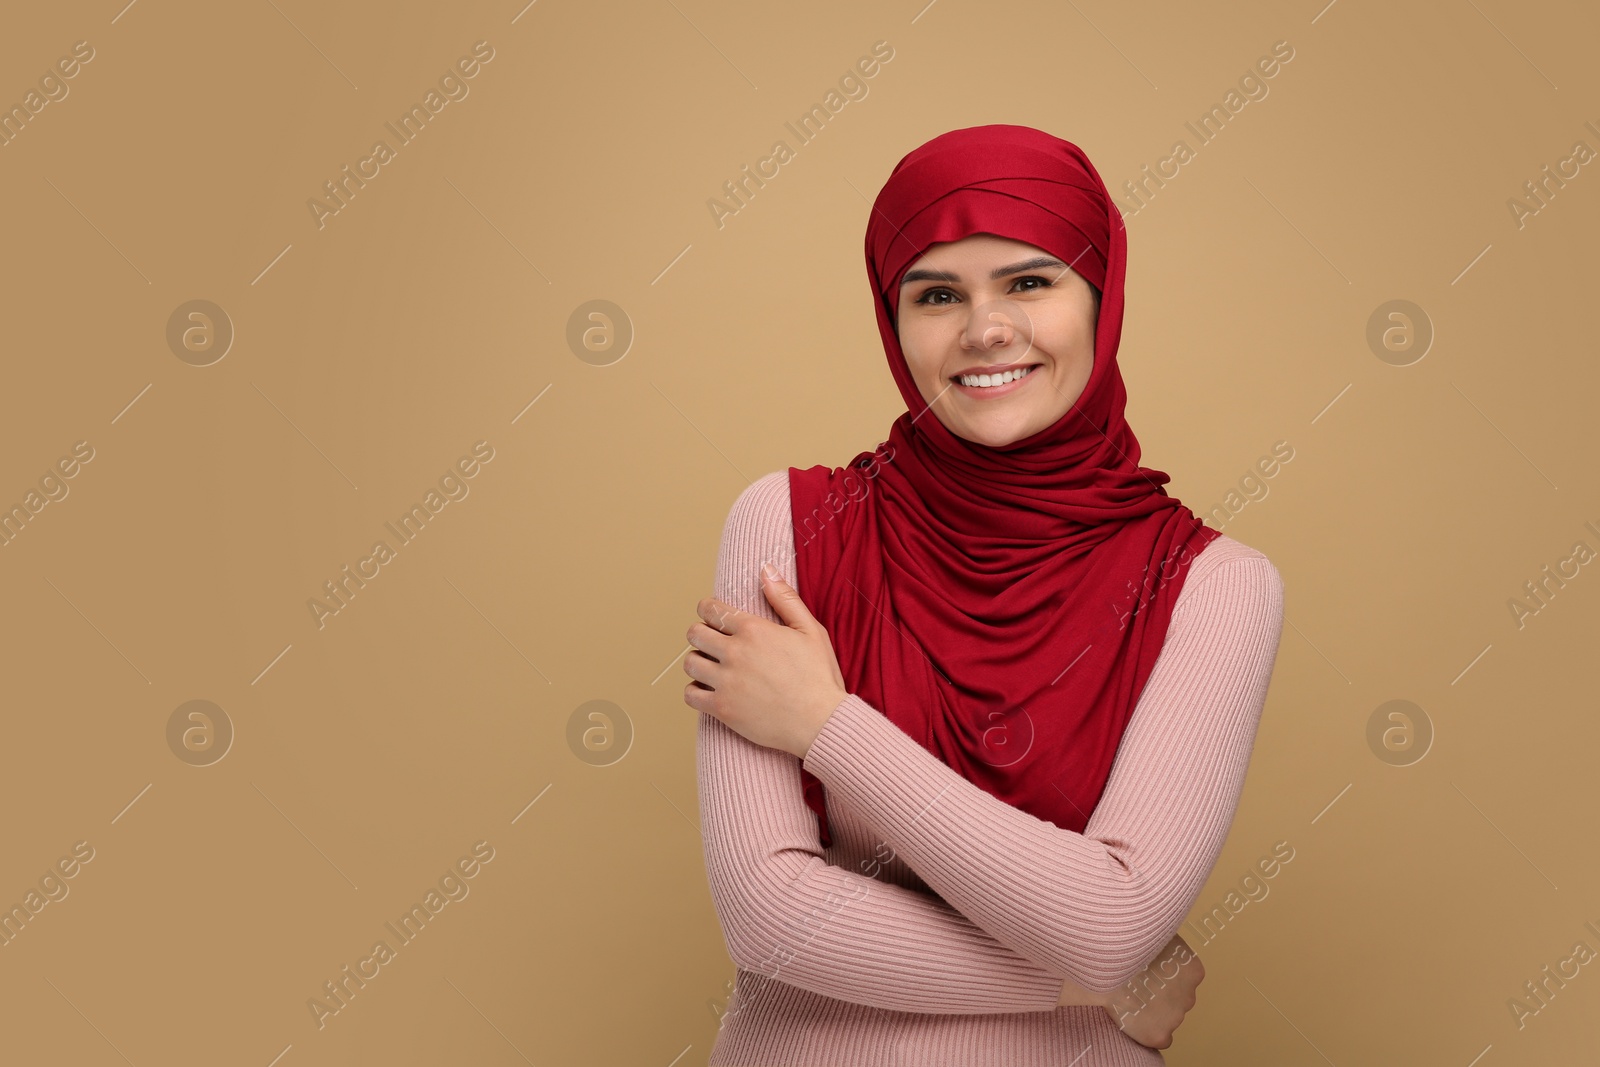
(769,572)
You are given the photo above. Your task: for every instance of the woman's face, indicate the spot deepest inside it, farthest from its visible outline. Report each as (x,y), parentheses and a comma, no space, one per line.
(988,302)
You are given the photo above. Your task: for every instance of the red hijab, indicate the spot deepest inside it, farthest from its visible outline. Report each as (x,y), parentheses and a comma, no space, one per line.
(1002,606)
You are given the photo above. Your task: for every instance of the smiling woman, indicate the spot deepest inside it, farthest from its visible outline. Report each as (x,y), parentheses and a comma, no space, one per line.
(981,315)
(1017,675)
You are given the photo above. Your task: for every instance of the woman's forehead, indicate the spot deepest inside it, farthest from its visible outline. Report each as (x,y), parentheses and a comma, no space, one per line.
(979,243)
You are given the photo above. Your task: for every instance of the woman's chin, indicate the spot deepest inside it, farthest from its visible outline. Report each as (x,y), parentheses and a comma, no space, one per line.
(997,432)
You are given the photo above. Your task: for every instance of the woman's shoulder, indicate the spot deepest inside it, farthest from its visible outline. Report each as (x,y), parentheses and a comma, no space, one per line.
(1229,573)
(763,502)
(1223,549)
(758,523)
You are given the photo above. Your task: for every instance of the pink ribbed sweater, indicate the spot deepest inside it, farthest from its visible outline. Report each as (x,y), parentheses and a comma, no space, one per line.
(938,927)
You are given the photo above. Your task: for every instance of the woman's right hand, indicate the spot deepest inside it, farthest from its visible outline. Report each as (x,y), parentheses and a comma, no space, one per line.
(1169,982)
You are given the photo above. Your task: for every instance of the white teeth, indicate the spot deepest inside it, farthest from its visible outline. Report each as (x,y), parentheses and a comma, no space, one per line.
(984,381)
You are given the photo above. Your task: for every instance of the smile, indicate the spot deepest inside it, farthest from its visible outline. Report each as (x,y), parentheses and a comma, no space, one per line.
(994,385)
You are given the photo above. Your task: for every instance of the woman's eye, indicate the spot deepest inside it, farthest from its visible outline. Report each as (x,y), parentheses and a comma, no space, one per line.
(1044,283)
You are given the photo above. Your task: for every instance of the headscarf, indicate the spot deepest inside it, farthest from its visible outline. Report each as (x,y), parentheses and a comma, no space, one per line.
(1002,606)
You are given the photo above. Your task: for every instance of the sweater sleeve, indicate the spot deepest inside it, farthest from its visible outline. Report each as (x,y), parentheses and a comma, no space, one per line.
(784,910)
(1096,906)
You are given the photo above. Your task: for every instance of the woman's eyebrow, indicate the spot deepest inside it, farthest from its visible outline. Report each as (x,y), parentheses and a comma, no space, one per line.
(1035,263)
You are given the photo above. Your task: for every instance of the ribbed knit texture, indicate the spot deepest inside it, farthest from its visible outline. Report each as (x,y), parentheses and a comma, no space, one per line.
(938,928)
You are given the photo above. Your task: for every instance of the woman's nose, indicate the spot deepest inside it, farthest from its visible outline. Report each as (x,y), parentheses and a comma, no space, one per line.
(992,325)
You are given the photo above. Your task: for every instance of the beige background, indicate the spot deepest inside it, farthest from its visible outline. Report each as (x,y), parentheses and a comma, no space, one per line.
(429,313)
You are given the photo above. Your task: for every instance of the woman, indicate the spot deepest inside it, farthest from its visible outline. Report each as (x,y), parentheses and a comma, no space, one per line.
(1014,784)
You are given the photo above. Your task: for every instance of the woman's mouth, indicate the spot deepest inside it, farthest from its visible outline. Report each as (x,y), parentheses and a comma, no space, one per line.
(999,384)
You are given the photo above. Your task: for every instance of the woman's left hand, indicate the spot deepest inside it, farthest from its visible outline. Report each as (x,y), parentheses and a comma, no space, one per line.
(774,683)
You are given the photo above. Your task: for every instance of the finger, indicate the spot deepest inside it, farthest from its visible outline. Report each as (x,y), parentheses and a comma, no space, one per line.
(702,669)
(699,698)
(785,600)
(713,643)
(718,614)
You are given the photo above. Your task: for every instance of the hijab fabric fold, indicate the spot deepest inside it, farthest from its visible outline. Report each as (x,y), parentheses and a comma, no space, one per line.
(1003,607)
